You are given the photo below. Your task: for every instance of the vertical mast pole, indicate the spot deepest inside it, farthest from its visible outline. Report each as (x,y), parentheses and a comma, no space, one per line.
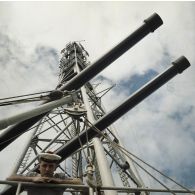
(105,172)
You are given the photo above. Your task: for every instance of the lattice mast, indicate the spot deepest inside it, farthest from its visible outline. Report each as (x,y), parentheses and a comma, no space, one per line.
(78,127)
(64,123)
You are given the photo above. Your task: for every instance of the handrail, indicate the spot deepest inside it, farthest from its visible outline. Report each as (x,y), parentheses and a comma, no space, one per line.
(84,187)
(20,184)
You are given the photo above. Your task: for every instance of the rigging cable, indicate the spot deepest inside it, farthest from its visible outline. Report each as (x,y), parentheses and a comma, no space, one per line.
(82,148)
(115,145)
(121,148)
(25,95)
(153,168)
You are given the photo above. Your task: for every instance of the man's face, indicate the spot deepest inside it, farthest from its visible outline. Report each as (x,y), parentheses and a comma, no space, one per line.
(47,169)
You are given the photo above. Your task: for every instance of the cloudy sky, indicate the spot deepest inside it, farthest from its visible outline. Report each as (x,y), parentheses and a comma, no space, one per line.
(161,128)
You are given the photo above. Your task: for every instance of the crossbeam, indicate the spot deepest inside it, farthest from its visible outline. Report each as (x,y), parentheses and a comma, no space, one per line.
(36,111)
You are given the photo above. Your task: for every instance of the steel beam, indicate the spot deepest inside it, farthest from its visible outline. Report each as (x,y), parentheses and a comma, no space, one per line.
(12,133)
(104,169)
(84,187)
(36,111)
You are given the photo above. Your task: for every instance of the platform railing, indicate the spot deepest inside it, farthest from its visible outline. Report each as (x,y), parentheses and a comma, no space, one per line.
(21,184)
(82,188)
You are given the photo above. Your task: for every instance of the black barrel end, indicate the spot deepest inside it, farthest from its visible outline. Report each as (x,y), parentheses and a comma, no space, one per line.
(181,64)
(153,22)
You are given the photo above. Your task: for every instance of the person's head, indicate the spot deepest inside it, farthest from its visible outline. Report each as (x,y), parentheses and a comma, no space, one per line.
(48,163)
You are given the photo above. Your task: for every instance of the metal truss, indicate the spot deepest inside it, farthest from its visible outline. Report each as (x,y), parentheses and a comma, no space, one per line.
(79,130)
(62,124)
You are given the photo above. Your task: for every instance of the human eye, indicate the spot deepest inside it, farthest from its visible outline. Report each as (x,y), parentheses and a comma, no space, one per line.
(44,165)
(51,166)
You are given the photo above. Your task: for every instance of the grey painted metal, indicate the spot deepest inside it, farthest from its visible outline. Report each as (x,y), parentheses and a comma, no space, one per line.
(103,166)
(91,192)
(105,172)
(12,133)
(124,189)
(135,177)
(50,185)
(75,162)
(150,24)
(18,189)
(83,187)
(132,169)
(104,169)
(34,112)
(44,149)
(24,152)
(178,66)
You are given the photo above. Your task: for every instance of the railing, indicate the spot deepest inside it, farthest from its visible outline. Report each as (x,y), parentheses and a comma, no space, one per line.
(81,188)
(71,188)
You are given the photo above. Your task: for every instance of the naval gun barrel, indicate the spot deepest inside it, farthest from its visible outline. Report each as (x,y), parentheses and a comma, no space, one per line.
(150,25)
(73,145)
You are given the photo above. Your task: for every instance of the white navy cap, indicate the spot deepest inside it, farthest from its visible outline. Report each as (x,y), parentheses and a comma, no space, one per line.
(49,157)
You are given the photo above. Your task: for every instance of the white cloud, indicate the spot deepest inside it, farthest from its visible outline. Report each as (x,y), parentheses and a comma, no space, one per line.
(31,30)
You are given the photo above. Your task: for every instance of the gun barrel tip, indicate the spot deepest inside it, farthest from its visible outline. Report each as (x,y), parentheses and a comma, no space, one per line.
(181,64)
(153,22)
